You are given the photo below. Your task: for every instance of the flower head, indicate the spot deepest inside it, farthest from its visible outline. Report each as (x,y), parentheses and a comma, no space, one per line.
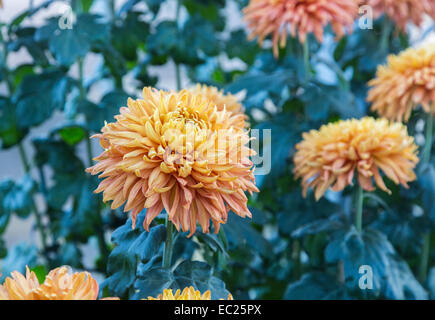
(402,11)
(189,293)
(219,98)
(331,156)
(19,287)
(275,17)
(407,81)
(176,151)
(59,284)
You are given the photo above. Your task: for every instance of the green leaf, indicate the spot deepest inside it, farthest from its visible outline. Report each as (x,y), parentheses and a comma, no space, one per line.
(124,40)
(68,45)
(24,38)
(10,133)
(431,282)
(239,47)
(131,247)
(315,286)
(38,96)
(239,231)
(392,277)
(17,259)
(186,274)
(40,272)
(426,180)
(18,197)
(105,111)
(72,133)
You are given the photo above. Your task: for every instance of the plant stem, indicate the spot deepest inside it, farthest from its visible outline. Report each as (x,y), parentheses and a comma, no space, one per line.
(37,214)
(178,76)
(386,29)
(23,157)
(359,208)
(177,65)
(306,53)
(424,258)
(102,245)
(167,253)
(89,150)
(296,256)
(428,139)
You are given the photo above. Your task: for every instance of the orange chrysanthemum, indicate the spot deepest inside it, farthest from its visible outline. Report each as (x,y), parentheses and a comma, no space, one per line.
(219,98)
(189,293)
(402,11)
(59,284)
(407,81)
(330,156)
(177,151)
(265,17)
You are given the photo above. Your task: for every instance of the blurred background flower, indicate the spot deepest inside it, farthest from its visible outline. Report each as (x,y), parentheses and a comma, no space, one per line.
(299,18)
(333,155)
(406,82)
(59,284)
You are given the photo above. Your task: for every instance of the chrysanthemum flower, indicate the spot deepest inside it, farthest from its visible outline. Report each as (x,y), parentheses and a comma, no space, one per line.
(19,287)
(331,156)
(175,150)
(402,11)
(59,284)
(189,293)
(407,81)
(275,17)
(219,98)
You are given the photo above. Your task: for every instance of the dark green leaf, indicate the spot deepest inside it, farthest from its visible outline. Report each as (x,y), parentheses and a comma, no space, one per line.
(188,273)
(38,96)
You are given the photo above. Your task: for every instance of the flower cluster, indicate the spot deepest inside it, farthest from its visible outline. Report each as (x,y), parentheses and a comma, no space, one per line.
(276,17)
(59,284)
(407,81)
(180,152)
(189,293)
(333,155)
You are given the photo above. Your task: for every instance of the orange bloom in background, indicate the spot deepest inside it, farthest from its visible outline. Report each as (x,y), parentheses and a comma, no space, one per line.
(402,11)
(219,98)
(189,293)
(59,284)
(276,17)
(331,156)
(176,151)
(407,81)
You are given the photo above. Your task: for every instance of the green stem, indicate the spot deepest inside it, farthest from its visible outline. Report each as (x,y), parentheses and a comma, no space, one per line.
(23,157)
(359,208)
(81,78)
(167,253)
(306,54)
(178,76)
(296,256)
(89,150)
(428,140)
(424,258)
(102,245)
(112,9)
(386,30)
(37,214)
(177,65)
